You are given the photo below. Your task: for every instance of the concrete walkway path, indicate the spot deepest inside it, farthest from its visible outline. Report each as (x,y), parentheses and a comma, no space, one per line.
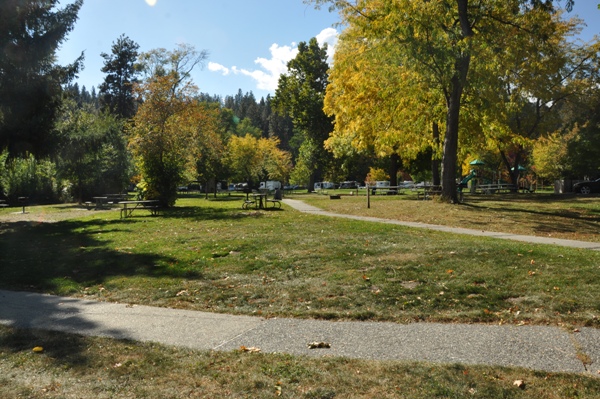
(533,347)
(304,207)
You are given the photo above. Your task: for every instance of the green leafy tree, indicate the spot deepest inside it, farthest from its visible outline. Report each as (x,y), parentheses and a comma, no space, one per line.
(116,92)
(92,152)
(300,94)
(164,129)
(30,81)
(209,147)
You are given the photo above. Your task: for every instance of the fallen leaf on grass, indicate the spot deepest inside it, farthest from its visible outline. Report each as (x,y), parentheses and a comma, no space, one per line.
(251,349)
(519,384)
(316,345)
(38,349)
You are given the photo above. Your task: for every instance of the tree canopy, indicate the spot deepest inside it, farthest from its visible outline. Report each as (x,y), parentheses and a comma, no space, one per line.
(448,51)
(300,94)
(30,80)
(116,92)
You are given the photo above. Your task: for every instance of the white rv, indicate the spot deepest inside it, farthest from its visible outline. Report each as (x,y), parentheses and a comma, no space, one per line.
(270,185)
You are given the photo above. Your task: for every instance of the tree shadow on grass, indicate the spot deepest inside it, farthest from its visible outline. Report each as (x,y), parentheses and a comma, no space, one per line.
(65,257)
(54,325)
(560,220)
(48,257)
(196,213)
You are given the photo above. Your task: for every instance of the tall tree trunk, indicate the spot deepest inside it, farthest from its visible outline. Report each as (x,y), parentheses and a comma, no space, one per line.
(449,160)
(311,183)
(394,162)
(513,171)
(453,103)
(435,163)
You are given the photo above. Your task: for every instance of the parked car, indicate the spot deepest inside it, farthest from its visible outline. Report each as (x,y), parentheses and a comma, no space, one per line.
(324,185)
(587,187)
(240,186)
(349,184)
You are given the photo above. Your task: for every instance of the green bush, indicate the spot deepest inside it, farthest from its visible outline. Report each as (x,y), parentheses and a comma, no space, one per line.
(29,177)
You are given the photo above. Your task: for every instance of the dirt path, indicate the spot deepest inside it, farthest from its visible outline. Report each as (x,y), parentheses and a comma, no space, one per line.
(51,214)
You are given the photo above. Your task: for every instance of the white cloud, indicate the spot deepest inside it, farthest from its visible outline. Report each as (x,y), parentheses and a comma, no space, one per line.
(267,76)
(329,36)
(214,67)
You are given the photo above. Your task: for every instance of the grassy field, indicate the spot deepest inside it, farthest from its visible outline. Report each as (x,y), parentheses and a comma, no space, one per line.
(567,216)
(214,256)
(75,367)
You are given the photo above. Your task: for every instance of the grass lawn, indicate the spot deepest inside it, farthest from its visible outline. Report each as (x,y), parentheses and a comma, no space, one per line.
(566,216)
(214,256)
(71,366)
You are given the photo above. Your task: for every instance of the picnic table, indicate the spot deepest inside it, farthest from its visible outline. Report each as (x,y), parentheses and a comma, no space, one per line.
(389,190)
(153,206)
(259,200)
(101,202)
(426,192)
(496,188)
(106,200)
(118,197)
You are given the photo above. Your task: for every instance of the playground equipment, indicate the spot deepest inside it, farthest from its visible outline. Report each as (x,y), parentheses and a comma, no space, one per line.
(464,182)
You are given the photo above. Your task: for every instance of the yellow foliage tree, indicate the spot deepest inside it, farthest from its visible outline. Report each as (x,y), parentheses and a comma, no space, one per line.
(252,159)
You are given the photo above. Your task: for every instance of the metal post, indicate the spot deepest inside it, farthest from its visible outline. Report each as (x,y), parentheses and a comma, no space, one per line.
(368,197)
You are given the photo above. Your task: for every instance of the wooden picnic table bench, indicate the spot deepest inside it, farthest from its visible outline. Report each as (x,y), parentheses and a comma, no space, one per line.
(496,188)
(276,200)
(260,200)
(428,191)
(152,206)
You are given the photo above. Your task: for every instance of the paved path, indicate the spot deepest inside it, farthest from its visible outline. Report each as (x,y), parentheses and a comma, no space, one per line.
(303,207)
(534,347)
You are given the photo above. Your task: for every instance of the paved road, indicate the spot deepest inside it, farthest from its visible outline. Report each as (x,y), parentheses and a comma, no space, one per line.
(534,347)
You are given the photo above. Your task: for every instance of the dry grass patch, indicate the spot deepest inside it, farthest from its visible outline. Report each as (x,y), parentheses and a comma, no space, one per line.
(72,366)
(561,216)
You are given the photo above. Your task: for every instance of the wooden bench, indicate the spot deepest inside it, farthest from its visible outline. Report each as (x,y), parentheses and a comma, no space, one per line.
(429,192)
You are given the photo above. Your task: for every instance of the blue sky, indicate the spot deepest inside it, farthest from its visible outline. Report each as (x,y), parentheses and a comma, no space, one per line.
(249,41)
